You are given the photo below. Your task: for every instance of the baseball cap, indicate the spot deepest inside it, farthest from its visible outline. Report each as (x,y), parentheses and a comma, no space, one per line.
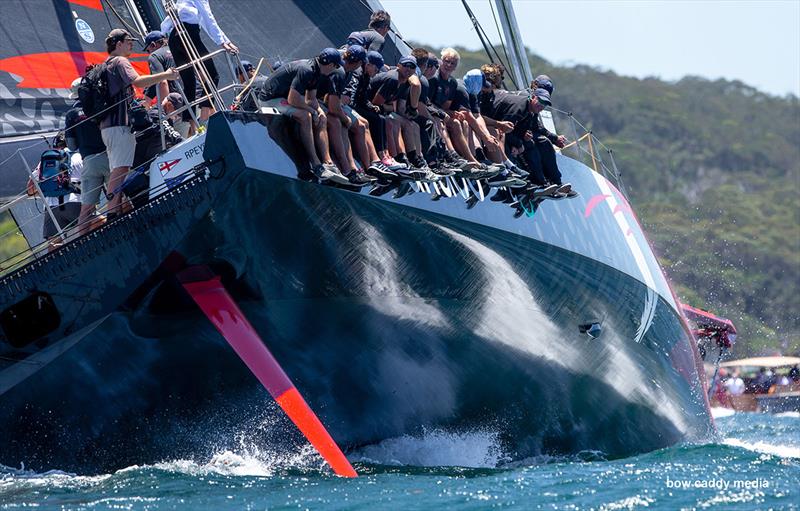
(473,81)
(375,58)
(330,56)
(151,37)
(356,53)
(408,60)
(545,83)
(543,96)
(118,34)
(73,88)
(247,65)
(175,99)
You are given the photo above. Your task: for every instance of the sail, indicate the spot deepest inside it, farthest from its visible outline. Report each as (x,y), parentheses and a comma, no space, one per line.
(286,30)
(46,44)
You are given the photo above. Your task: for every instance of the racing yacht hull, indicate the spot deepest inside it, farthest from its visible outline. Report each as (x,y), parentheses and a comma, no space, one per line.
(392,317)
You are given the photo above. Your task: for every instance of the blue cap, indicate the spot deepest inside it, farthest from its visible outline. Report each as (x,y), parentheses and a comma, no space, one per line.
(356,38)
(543,96)
(375,58)
(544,82)
(151,37)
(473,81)
(330,56)
(408,60)
(356,53)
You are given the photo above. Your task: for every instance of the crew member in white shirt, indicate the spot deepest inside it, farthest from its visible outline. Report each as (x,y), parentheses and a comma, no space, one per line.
(195,14)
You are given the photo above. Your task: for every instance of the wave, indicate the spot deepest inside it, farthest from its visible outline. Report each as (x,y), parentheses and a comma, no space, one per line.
(436,448)
(783,451)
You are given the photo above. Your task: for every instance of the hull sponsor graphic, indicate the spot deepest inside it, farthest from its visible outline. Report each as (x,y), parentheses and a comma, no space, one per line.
(91,4)
(57,70)
(84,30)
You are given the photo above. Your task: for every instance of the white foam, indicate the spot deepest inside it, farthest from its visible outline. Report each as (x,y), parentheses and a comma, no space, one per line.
(793,415)
(719,412)
(784,451)
(52,478)
(437,448)
(253,463)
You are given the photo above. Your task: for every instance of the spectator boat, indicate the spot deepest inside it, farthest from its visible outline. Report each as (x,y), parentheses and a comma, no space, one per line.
(777,392)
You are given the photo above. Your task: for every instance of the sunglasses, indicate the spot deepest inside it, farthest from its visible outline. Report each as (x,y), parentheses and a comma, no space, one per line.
(410,66)
(434,65)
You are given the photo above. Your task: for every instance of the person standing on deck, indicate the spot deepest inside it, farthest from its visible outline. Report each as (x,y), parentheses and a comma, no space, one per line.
(85,138)
(374,37)
(115,127)
(194,14)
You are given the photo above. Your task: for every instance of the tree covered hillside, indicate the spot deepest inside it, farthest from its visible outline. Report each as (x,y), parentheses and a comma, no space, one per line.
(713,171)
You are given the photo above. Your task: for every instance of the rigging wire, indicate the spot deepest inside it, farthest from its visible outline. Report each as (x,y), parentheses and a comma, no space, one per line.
(486,42)
(499,34)
(127,26)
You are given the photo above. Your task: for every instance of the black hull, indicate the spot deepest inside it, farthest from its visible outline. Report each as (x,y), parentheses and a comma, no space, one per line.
(87,279)
(391,317)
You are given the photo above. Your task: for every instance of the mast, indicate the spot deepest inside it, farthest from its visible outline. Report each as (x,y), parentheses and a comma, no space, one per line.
(518,59)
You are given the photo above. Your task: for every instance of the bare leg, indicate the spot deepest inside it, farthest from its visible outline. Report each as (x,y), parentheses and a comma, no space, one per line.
(87,210)
(348,150)
(335,137)
(459,141)
(392,137)
(321,138)
(114,183)
(359,141)
(306,135)
(410,135)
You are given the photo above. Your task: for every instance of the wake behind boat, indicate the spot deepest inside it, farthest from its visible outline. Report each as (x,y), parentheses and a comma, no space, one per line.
(555,328)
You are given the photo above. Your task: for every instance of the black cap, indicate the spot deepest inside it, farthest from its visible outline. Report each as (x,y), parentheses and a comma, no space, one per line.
(543,96)
(544,82)
(330,56)
(151,37)
(176,100)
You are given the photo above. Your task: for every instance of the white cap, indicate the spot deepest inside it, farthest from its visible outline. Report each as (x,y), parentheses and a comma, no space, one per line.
(73,89)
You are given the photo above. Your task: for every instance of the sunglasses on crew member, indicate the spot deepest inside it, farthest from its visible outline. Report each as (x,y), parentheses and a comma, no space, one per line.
(410,66)
(433,65)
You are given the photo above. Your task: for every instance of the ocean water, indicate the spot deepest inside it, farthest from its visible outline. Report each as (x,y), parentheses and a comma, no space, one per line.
(755,464)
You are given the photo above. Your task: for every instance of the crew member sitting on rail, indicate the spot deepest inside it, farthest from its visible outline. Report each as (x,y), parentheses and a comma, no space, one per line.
(530,135)
(247,103)
(359,128)
(443,91)
(391,94)
(360,99)
(292,90)
(115,127)
(342,119)
(490,148)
